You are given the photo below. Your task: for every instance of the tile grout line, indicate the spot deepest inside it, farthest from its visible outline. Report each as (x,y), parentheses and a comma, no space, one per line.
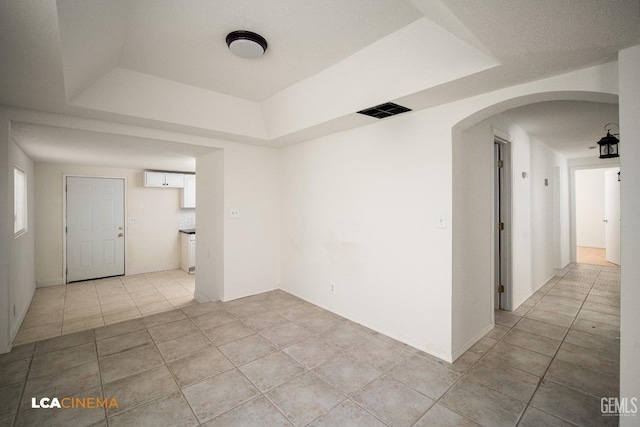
(24,387)
(553,358)
(342,352)
(104,396)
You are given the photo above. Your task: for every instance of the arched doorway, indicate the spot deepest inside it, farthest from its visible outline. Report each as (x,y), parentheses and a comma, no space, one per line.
(539,228)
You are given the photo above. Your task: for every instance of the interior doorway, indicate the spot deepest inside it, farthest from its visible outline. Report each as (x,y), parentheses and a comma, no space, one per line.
(502,215)
(597,216)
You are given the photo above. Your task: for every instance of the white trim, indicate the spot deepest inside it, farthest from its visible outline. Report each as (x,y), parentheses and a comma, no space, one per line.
(466,346)
(565,265)
(25,203)
(64,218)
(500,134)
(5,349)
(576,165)
(447,357)
(15,327)
(536,289)
(153,269)
(505,139)
(50,282)
(201,298)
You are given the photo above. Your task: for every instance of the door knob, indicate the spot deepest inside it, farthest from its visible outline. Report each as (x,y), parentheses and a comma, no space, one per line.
(120,228)
(120,235)
(604,220)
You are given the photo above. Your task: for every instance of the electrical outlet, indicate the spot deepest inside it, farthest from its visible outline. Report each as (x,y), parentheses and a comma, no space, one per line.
(332,287)
(234,213)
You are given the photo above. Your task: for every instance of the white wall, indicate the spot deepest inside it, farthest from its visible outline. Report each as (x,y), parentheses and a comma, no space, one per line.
(473,225)
(543,162)
(630,227)
(359,210)
(153,242)
(562,215)
(22,277)
(238,256)
(6,231)
(210,235)
(589,193)
(251,245)
(532,226)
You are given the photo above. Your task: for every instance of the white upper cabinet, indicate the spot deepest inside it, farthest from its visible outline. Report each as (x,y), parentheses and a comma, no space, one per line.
(175,180)
(163,179)
(189,192)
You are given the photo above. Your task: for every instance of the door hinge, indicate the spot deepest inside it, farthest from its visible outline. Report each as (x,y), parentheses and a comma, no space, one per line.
(500,164)
(66,229)
(500,288)
(501,226)
(66,188)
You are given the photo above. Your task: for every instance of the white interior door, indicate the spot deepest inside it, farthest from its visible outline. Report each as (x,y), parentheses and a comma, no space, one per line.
(95,228)
(612,216)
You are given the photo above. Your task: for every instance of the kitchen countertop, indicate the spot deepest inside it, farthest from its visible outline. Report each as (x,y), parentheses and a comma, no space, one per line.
(188,230)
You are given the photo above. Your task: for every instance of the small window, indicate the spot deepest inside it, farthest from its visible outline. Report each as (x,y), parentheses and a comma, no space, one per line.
(19,202)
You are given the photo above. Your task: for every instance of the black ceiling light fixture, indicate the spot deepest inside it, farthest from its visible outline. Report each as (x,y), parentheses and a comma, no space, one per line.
(246,44)
(609,143)
(384,110)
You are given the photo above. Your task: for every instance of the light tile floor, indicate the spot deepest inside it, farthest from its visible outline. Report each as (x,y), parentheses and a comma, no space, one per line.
(275,360)
(58,310)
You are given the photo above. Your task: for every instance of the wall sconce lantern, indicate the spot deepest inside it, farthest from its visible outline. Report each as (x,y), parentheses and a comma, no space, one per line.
(609,143)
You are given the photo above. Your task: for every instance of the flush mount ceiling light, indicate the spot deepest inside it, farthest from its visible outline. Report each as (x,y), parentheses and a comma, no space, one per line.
(246,44)
(609,143)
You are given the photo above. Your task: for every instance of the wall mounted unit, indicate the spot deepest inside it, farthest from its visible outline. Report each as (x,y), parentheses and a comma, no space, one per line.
(163,179)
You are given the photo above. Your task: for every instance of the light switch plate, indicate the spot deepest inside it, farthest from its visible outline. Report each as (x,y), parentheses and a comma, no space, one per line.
(441,221)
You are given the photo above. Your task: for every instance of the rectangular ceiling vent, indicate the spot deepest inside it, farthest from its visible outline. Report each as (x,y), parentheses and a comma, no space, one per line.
(384,110)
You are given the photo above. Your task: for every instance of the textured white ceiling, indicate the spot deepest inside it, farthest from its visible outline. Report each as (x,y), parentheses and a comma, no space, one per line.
(170,68)
(184,41)
(569,127)
(546,31)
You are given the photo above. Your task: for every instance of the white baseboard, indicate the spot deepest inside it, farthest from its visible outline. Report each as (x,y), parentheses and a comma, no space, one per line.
(5,348)
(201,298)
(152,269)
(382,330)
(247,294)
(50,282)
(544,282)
(15,326)
(466,346)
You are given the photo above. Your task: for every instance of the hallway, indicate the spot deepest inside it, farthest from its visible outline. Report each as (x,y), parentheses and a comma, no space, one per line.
(273,358)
